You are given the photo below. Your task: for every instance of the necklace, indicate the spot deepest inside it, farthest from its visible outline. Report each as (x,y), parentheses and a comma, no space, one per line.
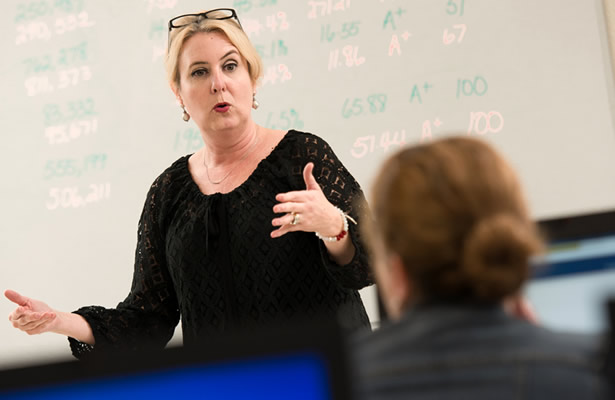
(248,151)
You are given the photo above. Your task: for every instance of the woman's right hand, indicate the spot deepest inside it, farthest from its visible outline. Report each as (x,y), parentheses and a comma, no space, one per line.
(31,316)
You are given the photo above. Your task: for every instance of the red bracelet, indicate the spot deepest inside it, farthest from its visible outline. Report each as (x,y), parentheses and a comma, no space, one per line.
(341,235)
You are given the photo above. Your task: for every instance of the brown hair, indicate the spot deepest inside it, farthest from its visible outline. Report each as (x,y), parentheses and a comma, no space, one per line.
(228,27)
(454,211)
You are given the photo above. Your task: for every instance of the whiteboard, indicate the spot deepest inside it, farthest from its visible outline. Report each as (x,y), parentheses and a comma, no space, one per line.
(89,120)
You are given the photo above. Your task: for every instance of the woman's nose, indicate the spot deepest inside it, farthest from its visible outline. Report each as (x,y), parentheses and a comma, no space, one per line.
(217,82)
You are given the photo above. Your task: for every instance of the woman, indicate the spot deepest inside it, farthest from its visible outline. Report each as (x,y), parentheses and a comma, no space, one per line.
(206,248)
(452,239)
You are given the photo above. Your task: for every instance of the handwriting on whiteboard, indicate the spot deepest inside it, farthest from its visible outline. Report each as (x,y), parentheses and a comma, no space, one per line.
(69,132)
(323,8)
(77,196)
(372,104)
(29,10)
(62,79)
(74,167)
(41,30)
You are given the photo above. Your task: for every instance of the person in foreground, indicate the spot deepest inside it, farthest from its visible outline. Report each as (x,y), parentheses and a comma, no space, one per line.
(259,226)
(452,240)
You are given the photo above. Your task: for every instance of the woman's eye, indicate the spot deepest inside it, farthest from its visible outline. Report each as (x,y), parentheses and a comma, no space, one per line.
(230,66)
(199,72)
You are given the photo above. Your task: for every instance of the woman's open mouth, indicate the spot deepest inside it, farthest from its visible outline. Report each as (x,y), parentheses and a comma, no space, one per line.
(222,107)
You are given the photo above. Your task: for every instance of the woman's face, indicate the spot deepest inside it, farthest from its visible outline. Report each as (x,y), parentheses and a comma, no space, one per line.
(215,85)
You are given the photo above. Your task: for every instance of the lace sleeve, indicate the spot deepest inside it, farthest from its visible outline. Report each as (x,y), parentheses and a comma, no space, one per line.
(146,319)
(342,190)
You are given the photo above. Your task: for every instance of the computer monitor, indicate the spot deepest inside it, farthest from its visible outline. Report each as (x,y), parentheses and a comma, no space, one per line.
(302,361)
(570,286)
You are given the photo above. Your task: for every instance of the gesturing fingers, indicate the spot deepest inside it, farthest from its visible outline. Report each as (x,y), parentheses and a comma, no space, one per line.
(16,297)
(288,207)
(308,177)
(21,316)
(288,222)
(32,322)
(304,210)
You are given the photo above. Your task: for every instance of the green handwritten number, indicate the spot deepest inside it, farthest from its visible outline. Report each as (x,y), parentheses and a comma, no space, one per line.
(285,118)
(346,111)
(61,4)
(77,5)
(349,29)
(71,169)
(242,5)
(177,140)
(82,51)
(92,162)
(49,169)
(61,167)
(355,108)
(63,57)
(260,49)
(326,34)
(52,114)
(77,109)
(21,13)
(196,140)
(467,87)
(282,49)
(47,64)
(297,122)
(32,10)
(453,9)
(188,140)
(372,104)
(358,106)
(42,8)
(268,123)
(377,102)
(88,106)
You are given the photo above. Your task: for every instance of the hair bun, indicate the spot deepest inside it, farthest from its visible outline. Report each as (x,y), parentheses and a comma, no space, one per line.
(496,255)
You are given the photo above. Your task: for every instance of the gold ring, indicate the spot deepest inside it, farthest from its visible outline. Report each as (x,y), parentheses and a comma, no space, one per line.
(296,218)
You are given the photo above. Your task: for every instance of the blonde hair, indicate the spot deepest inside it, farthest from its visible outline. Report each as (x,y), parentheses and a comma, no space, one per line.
(228,27)
(454,211)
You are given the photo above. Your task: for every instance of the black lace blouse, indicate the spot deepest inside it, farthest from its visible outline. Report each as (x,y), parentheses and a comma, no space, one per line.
(210,259)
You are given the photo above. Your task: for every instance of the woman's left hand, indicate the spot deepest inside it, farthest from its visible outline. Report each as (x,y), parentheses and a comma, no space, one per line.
(309,209)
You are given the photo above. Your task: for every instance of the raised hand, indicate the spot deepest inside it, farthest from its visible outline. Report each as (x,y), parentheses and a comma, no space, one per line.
(31,316)
(309,209)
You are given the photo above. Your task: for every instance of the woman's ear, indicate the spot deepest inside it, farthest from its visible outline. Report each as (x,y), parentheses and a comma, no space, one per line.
(175,90)
(519,306)
(400,287)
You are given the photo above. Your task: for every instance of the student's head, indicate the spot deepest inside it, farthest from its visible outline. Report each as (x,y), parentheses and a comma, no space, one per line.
(450,224)
(224,21)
